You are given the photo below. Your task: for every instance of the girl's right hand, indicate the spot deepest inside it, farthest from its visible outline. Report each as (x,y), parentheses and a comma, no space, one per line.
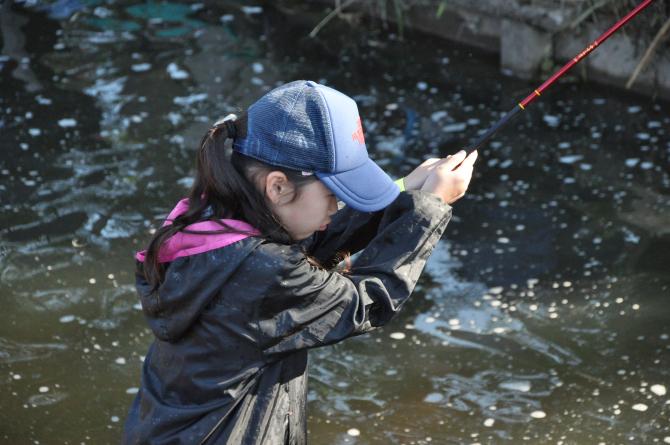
(450,179)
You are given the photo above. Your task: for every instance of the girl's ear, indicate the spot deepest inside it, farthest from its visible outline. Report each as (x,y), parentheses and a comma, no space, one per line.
(278,189)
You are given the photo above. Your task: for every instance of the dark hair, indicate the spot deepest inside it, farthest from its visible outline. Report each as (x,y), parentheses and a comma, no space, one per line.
(226,186)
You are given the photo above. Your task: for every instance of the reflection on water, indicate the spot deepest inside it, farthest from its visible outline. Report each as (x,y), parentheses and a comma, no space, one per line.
(541,317)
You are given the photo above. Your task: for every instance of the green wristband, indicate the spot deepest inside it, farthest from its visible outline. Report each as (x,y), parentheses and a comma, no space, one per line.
(401,184)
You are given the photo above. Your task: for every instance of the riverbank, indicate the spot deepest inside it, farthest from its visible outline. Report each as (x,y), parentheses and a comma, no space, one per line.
(535,38)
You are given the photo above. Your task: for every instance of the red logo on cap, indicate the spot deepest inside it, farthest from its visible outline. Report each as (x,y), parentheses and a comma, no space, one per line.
(358,134)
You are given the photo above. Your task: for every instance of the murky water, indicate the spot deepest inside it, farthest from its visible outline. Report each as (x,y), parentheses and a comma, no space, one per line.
(543,315)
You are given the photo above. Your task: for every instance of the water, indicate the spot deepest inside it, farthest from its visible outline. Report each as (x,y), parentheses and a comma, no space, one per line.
(542,316)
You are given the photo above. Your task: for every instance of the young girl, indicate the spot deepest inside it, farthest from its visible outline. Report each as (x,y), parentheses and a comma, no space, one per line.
(239,282)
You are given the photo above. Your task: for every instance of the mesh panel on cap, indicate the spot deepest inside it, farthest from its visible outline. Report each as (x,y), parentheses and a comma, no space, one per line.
(290,127)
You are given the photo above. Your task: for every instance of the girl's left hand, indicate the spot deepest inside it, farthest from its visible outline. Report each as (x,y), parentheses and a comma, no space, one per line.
(415,180)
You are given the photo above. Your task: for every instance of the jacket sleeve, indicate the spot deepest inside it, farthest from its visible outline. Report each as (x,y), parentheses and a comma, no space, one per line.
(309,307)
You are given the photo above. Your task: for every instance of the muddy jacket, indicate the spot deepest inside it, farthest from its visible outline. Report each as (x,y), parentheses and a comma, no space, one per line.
(235,318)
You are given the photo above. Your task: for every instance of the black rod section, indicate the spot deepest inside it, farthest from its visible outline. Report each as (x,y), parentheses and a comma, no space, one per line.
(491,131)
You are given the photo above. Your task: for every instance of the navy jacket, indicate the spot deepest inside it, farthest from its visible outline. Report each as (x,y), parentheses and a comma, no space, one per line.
(233,325)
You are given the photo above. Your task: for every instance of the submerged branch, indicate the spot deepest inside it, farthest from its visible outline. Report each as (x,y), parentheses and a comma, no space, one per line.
(647,54)
(584,15)
(329,17)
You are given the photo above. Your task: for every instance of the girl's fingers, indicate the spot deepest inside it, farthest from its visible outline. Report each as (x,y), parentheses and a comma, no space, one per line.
(470,160)
(454,160)
(431,161)
(441,161)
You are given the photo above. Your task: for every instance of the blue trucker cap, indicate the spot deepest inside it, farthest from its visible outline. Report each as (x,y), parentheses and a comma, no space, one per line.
(310,127)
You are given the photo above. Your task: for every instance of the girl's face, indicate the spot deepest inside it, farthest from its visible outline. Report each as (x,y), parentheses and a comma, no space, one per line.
(305,214)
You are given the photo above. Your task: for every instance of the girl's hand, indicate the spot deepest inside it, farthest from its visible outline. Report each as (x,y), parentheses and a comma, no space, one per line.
(449,179)
(415,180)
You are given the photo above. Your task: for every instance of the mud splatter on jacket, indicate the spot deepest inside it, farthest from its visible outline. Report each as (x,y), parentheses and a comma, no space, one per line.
(234,322)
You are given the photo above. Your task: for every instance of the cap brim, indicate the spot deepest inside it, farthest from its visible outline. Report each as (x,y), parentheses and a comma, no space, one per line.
(366,188)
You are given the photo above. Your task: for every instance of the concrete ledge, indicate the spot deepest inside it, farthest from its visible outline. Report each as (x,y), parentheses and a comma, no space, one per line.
(523,48)
(614,62)
(527,36)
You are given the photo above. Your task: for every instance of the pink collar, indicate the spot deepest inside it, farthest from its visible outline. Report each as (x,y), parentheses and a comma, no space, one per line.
(185,244)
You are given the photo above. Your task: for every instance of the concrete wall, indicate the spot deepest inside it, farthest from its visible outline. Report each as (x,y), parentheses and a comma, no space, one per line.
(528,36)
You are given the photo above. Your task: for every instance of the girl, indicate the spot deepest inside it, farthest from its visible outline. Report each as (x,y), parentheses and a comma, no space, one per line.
(238,283)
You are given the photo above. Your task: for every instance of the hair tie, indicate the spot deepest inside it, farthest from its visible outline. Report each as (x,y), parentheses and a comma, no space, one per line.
(231,129)
(229,123)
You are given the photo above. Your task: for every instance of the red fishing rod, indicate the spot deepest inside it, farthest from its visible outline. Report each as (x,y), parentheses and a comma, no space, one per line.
(574,61)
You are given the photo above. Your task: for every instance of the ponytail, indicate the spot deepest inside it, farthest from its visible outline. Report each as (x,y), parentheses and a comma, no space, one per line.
(224,188)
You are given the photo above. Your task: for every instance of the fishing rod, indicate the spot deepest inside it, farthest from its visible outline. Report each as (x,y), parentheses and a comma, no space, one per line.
(521,106)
